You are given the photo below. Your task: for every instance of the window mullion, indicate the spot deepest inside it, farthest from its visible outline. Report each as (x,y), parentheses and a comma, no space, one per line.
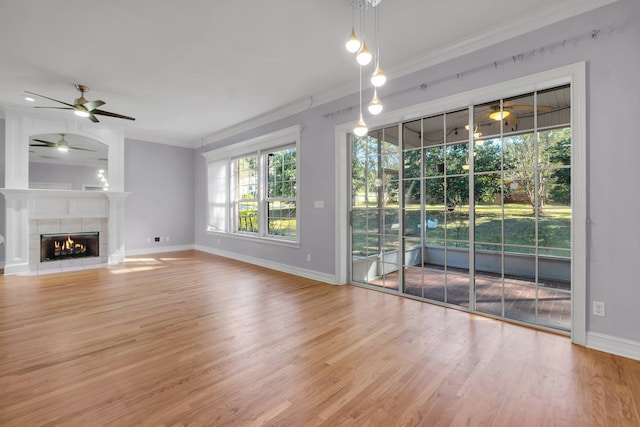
(262,194)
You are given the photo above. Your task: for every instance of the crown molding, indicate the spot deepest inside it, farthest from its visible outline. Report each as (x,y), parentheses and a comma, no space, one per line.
(532,22)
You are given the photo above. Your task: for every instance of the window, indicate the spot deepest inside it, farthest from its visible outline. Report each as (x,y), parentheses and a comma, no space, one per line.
(245,200)
(281,192)
(253,187)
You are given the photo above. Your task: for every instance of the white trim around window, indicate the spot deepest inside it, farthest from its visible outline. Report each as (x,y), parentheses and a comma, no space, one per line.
(220,185)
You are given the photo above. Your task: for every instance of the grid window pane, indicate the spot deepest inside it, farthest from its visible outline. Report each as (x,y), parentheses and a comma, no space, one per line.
(281,193)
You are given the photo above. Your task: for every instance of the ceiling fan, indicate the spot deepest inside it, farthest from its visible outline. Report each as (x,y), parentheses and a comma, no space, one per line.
(61,144)
(508,109)
(83,108)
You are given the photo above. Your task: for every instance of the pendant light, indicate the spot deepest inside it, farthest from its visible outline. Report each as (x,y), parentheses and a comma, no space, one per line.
(360,129)
(375,106)
(378,78)
(364,55)
(353,43)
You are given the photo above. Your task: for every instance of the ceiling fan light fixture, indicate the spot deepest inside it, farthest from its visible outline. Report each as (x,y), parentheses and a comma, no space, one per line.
(353,44)
(80,112)
(499,115)
(62,144)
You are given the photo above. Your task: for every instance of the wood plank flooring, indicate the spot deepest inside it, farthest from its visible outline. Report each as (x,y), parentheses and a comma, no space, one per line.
(188,338)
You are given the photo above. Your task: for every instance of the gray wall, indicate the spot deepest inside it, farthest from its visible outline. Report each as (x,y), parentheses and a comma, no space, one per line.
(160,179)
(612,151)
(2,206)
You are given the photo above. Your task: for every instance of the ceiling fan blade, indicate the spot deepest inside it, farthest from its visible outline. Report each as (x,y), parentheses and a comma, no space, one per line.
(46,97)
(106,113)
(47,143)
(80,148)
(57,108)
(92,105)
(528,107)
(92,117)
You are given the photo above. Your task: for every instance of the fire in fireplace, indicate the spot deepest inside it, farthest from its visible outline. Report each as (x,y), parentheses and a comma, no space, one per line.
(54,247)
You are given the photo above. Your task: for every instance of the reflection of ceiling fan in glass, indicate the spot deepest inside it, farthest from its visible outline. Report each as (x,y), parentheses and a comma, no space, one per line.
(83,108)
(61,144)
(511,109)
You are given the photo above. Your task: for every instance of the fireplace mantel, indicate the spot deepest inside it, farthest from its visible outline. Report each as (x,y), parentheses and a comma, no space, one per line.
(23,205)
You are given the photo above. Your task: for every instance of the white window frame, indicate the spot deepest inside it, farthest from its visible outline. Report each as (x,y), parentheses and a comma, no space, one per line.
(219,182)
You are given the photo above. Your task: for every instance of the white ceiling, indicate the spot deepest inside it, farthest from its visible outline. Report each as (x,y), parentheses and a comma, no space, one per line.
(187,70)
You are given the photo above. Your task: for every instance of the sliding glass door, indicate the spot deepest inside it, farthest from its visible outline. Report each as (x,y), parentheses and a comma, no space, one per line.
(470,208)
(375,242)
(436,208)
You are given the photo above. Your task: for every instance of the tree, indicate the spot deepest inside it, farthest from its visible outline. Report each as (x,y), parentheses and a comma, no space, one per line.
(282,173)
(523,159)
(560,155)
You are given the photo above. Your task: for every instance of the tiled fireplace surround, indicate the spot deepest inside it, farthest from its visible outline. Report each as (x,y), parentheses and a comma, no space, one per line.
(38,227)
(31,212)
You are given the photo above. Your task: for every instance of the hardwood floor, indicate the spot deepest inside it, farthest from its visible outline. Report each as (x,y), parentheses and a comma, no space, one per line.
(188,338)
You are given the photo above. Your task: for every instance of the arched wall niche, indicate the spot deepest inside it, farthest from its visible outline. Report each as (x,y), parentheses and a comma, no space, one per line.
(20,126)
(68,161)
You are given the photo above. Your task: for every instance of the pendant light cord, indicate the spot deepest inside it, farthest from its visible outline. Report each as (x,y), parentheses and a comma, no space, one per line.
(360,69)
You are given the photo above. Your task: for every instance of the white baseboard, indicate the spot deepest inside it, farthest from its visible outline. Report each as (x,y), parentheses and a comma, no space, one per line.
(157,250)
(296,271)
(614,345)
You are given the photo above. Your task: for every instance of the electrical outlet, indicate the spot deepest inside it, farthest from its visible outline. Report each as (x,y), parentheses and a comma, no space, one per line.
(308,257)
(156,239)
(598,308)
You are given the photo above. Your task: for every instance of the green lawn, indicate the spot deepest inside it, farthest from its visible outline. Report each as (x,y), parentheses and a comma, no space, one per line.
(519,224)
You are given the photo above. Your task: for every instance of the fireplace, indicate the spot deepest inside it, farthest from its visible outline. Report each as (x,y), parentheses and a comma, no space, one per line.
(60,246)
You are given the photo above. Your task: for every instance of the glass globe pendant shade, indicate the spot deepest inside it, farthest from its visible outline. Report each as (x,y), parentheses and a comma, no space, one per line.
(353,44)
(375,106)
(378,78)
(364,55)
(360,129)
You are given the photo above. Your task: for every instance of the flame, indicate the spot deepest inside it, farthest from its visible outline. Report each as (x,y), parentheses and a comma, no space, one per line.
(68,244)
